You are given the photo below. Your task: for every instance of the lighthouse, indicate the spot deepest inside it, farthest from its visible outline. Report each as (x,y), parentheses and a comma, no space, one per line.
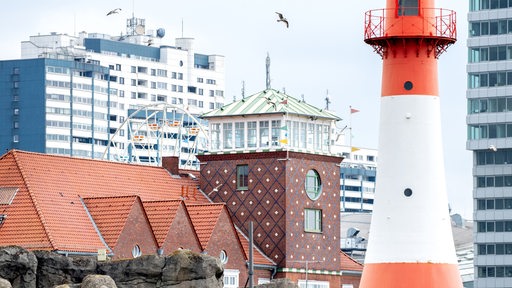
(410,242)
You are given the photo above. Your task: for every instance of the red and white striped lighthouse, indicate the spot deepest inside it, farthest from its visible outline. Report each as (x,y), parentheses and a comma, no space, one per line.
(410,242)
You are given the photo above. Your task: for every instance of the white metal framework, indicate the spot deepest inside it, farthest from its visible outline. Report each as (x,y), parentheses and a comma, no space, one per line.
(155,131)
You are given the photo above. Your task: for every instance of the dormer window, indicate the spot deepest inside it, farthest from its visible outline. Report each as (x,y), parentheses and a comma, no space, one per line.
(7,195)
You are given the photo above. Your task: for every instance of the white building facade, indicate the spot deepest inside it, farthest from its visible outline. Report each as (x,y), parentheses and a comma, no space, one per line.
(489,124)
(84,88)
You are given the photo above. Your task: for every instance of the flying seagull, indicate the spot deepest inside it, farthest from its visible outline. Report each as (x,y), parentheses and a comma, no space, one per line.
(282,19)
(115,11)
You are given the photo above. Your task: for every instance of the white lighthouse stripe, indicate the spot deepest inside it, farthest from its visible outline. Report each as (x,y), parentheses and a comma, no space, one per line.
(417,228)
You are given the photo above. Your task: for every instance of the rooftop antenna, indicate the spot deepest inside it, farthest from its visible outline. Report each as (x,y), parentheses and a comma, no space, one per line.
(302,96)
(327,100)
(268,71)
(243,89)
(181,27)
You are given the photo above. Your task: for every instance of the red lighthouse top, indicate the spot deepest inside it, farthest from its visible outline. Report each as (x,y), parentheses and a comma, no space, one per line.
(412,19)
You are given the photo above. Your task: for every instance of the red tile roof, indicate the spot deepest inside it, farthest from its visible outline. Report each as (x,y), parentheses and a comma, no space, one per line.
(50,181)
(110,215)
(160,215)
(258,256)
(349,264)
(204,218)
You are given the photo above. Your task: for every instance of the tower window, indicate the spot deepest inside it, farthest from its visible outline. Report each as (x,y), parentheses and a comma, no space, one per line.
(312,220)
(242,177)
(313,184)
(408,8)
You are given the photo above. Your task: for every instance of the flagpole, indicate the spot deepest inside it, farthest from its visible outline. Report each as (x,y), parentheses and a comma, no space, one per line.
(350,130)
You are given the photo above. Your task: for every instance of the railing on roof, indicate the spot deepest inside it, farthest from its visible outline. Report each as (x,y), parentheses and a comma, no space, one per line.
(436,25)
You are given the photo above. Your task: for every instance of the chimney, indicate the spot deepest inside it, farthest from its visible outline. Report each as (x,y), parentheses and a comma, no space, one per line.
(171,164)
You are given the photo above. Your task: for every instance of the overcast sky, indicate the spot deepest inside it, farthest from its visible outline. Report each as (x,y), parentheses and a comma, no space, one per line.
(322,50)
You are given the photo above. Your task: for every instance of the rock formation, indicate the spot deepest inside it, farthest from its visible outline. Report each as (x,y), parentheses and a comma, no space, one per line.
(42,269)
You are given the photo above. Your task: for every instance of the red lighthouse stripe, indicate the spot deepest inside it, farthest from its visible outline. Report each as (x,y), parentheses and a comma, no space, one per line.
(409,69)
(410,275)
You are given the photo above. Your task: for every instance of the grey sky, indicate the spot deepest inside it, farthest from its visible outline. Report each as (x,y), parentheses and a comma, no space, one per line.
(322,50)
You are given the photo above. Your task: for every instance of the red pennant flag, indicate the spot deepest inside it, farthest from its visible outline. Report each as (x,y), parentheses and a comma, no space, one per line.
(285,101)
(352,110)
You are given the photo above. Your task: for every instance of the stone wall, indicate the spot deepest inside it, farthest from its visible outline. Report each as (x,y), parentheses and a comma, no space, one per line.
(43,269)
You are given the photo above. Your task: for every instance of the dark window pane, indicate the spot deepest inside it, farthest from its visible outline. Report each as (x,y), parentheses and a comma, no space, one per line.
(481,204)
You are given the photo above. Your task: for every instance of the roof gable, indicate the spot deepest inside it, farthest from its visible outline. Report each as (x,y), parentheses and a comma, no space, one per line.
(51,187)
(161,214)
(270,101)
(204,218)
(110,215)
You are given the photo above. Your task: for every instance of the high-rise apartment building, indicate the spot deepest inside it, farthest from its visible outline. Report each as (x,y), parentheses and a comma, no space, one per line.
(358,176)
(71,94)
(489,123)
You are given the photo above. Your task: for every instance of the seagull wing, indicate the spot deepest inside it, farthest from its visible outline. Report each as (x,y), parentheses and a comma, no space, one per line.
(281,17)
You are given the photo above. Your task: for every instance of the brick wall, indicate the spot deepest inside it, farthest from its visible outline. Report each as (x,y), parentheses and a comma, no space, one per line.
(181,234)
(137,231)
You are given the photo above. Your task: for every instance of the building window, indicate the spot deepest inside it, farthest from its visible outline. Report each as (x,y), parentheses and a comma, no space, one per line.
(136,251)
(231,278)
(407,7)
(227,129)
(251,134)
(242,177)
(264,134)
(223,257)
(2,219)
(239,135)
(16,138)
(312,220)
(314,284)
(215,136)
(313,185)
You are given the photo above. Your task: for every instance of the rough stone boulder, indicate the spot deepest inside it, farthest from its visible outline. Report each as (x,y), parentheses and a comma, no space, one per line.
(141,272)
(187,269)
(44,269)
(98,281)
(18,266)
(56,269)
(4,283)
(183,268)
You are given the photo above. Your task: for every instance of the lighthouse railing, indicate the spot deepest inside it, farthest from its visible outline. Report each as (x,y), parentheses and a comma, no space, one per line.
(435,22)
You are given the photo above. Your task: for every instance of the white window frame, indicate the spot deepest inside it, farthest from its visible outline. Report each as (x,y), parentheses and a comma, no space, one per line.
(313,220)
(231,278)
(313,284)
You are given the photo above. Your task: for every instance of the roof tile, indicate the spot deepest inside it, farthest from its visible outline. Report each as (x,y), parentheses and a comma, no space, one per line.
(50,181)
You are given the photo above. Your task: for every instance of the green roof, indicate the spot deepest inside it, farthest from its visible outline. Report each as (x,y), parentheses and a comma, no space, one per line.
(270,101)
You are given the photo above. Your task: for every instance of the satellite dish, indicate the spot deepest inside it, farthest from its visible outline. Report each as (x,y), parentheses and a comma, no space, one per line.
(139,30)
(160,32)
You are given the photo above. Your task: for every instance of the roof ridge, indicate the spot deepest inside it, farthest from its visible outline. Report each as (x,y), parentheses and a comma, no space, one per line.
(32,198)
(106,197)
(86,159)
